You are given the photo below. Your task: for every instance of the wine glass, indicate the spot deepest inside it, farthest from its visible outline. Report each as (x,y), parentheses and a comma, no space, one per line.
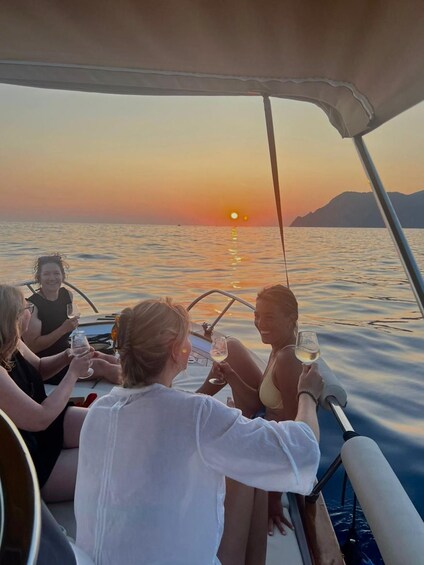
(307,347)
(72,311)
(80,346)
(218,352)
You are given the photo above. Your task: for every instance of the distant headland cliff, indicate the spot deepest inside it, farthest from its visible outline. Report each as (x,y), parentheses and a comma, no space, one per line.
(359,210)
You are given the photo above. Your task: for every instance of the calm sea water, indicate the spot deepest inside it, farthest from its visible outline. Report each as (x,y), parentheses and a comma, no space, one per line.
(351,290)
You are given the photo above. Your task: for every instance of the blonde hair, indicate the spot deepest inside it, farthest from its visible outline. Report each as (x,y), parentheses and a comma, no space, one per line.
(11,300)
(146,334)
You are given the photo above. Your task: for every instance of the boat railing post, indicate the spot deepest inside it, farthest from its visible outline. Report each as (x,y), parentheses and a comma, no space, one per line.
(227,307)
(81,293)
(392,223)
(208,328)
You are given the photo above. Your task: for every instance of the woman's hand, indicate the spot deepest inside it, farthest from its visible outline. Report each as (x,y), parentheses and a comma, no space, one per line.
(80,364)
(276,515)
(225,371)
(310,380)
(215,372)
(69,325)
(68,355)
(109,358)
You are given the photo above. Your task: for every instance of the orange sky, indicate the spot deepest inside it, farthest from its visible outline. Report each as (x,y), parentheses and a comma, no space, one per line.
(69,156)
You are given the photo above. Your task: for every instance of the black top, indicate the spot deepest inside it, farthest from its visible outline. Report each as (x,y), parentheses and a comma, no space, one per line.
(52,314)
(44,446)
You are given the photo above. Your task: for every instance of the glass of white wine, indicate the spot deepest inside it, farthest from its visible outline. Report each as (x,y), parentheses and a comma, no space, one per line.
(307,347)
(80,346)
(72,311)
(218,352)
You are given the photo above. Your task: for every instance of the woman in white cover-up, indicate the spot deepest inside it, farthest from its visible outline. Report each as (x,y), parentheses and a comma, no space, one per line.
(153,460)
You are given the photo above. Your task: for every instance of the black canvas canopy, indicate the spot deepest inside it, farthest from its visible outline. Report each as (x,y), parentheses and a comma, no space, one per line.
(360,61)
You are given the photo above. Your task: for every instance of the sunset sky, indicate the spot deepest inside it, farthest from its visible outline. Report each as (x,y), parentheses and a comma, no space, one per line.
(68,156)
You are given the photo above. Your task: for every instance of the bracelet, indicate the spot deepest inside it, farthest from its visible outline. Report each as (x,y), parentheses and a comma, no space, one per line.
(309,393)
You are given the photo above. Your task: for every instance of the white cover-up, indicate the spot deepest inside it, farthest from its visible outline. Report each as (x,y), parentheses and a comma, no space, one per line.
(152,461)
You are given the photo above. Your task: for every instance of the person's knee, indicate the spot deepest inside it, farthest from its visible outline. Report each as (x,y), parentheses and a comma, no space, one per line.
(72,424)
(235,347)
(60,485)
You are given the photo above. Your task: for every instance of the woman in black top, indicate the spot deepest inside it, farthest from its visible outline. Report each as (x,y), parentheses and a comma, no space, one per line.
(49,328)
(52,313)
(48,425)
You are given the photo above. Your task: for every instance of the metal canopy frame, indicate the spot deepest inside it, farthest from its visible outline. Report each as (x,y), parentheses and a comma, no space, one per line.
(392,223)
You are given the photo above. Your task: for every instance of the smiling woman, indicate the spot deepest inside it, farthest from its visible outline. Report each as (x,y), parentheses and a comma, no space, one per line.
(50,326)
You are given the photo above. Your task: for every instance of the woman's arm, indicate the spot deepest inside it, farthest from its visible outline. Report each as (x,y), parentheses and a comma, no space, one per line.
(106,357)
(46,366)
(266,455)
(37,342)
(309,390)
(28,414)
(286,376)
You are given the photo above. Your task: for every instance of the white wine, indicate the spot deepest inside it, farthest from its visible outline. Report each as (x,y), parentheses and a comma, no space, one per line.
(218,352)
(218,356)
(306,355)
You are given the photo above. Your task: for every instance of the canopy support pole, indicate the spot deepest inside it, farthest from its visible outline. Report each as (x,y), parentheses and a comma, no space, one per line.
(392,223)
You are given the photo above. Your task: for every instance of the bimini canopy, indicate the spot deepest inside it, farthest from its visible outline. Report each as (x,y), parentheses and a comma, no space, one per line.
(361,61)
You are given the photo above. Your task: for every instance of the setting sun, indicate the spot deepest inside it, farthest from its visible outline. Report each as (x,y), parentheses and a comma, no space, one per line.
(234,215)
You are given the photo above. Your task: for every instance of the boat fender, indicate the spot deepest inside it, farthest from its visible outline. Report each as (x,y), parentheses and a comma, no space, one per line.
(332,386)
(396,525)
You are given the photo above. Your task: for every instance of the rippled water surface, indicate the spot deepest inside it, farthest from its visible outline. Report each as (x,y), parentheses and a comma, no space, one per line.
(350,288)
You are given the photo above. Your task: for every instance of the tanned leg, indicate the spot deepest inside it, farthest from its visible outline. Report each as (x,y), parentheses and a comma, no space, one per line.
(239,500)
(60,486)
(258,534)
(72,424)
